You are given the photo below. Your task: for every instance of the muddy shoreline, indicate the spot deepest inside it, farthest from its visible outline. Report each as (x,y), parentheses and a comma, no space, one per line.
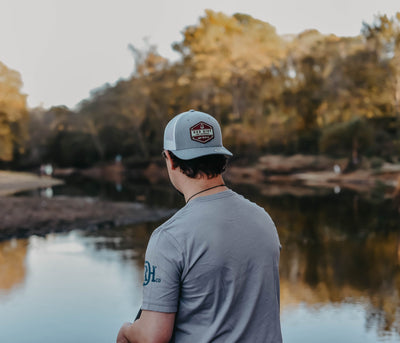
(26,216)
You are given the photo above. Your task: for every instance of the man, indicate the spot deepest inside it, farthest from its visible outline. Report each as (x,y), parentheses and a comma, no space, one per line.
(211,271)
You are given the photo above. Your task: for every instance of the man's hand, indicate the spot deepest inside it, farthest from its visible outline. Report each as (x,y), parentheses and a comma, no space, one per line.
(156,327)
(121,334)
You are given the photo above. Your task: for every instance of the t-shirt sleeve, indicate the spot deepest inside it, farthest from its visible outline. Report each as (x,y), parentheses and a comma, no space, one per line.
(162,273)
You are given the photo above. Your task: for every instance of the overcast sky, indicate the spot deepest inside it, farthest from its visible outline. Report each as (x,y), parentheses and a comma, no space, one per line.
(65,48)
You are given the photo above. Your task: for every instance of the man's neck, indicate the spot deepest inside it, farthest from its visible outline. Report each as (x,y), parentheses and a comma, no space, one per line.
(195,188)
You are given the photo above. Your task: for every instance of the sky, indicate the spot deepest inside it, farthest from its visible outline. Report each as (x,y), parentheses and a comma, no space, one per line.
(63,49)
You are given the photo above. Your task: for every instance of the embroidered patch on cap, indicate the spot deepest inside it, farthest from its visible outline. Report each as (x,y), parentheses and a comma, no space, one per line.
(202,132)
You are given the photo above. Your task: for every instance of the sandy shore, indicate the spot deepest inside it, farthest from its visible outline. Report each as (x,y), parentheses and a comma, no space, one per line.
(13,182)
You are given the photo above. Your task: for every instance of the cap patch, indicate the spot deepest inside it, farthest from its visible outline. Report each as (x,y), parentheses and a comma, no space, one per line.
(202,132)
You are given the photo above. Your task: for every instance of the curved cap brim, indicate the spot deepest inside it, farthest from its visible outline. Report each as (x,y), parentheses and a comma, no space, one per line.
(188,154)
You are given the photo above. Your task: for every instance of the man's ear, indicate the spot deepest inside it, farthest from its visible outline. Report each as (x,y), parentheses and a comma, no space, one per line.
(169,160)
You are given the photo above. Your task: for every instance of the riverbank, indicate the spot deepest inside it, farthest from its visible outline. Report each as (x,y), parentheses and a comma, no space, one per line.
(25,216)
(13,182)
(274,175)
(316,171)
(271,171)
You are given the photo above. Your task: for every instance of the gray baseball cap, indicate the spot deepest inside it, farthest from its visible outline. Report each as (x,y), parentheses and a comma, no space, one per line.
(193,134)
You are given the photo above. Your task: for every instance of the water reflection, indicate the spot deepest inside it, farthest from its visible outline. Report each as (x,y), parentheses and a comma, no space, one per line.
(155,195)
(340,262)
(338,250)
(72,292)
(131,241)
(12,263)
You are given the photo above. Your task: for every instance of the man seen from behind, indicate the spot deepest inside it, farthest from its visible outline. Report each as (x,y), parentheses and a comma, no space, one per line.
(212,270)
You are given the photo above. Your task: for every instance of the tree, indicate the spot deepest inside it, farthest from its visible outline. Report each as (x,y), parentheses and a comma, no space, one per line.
(13,114)
(383,37)
(352,138)
(59,135)
(147,60)
(230,50)
(315,80)
(286,94)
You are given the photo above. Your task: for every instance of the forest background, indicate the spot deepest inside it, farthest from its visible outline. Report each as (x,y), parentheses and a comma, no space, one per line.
(307,93)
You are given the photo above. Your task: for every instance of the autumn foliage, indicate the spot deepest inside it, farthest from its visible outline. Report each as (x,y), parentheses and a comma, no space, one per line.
(13,114)
(309,93)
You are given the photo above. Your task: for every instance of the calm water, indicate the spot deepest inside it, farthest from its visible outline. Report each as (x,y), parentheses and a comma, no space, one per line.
(340,269)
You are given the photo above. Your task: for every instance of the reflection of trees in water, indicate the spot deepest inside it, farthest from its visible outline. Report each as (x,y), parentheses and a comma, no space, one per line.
(130,190)
(345,271)
(384,315)
(130,240)
(338,249)
(12,263)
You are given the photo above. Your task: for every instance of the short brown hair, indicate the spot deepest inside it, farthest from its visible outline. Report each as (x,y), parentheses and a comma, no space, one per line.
(209,165)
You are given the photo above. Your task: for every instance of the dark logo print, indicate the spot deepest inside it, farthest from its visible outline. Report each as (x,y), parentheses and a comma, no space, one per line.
(150,274)
(202,132)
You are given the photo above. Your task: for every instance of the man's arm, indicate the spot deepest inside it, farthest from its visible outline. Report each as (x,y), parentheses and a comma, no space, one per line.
(152,327)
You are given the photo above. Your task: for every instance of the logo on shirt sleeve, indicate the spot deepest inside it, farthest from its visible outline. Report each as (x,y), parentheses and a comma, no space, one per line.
(150,274)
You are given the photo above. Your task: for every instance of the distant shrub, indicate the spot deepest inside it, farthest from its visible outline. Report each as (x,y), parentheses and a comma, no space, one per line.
(376,162)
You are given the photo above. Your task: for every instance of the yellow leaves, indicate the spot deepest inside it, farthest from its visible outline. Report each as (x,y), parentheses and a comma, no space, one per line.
(183,80)
(12,110)
(10,77)
(152,63)
(223,46)
(148,61)
(6,145)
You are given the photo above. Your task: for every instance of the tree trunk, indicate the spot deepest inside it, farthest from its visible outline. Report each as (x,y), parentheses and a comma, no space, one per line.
(396,194)
(354,153)
(354,158)
(95,138)
(142,143)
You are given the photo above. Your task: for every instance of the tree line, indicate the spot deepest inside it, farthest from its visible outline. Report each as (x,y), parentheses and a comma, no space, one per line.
(305,93)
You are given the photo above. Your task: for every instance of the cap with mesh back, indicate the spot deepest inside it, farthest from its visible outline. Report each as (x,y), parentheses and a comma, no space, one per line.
(193,134)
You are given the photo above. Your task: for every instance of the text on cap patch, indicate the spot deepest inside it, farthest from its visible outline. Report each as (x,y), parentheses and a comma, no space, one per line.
(202,132)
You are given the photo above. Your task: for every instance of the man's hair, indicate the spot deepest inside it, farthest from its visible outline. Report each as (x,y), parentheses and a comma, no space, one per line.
(209,165)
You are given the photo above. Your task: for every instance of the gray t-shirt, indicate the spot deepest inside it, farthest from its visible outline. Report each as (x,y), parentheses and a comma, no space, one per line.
(216,264)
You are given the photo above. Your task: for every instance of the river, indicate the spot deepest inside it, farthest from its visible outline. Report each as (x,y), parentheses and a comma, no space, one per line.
(340,268)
